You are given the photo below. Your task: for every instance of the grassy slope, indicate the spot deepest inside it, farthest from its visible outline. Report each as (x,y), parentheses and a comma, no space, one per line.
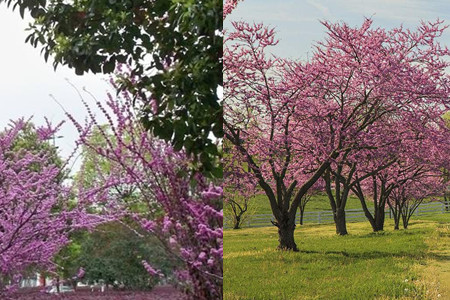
(361,265)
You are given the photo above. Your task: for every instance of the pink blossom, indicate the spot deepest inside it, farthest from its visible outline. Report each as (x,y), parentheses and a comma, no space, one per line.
(153,272)
(186,217)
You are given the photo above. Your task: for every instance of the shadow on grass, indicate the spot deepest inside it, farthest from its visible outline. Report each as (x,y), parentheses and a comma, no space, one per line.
(367,254)
(439,257)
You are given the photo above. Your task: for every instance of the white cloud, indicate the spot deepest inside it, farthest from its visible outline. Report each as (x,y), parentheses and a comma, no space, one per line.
(322,8)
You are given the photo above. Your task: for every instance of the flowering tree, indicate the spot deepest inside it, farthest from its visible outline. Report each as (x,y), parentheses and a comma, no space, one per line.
(380,186)
(238,188)
(402,187)
(33,223)
(263,122)
(419,156)
(324,115)
(406,198)
(153,184)
(384,79)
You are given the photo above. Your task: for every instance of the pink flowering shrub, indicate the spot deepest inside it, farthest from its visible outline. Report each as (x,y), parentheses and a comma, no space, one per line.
(150,182)
(80,273)
(33,224)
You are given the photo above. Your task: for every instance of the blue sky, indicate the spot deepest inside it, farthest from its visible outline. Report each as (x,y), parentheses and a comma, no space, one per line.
(297,21)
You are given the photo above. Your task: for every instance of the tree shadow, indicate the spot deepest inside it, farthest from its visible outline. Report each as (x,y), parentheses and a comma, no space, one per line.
(366,254)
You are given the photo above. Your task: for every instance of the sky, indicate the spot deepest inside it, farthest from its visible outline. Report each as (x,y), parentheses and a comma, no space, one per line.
(26,82)
(298,27)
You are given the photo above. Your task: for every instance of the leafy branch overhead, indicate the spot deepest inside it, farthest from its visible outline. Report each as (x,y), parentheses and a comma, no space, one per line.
(174,49)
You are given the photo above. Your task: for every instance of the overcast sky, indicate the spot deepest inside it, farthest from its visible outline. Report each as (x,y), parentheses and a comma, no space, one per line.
(297,21)
(26,81)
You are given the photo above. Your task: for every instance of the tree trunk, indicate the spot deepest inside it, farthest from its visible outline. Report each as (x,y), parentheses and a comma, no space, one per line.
(379,219)
(2,284)
(301,212)
(339,220)
(397,216)
(237,223)
(405,220)
(396,223)
(286,235)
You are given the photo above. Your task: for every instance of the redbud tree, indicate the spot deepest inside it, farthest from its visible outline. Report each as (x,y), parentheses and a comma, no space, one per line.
(33,219)
(418,157)
(311,117)
(238,188)
(149,182)
(378,81)
(262,122)
(404,199)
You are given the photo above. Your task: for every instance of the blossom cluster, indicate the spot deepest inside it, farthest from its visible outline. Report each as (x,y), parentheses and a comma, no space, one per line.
(155,185)
(33,222)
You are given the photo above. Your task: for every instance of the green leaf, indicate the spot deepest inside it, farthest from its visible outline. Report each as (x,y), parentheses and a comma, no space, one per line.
(166,131)
(178,145)
(22,10)
(109,66)
(217,172)
(79,71)
(157,62)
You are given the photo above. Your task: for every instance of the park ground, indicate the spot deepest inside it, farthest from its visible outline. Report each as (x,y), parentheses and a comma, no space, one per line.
(404,264)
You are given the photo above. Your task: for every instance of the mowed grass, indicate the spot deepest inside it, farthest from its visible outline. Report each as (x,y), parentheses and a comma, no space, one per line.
(318,202)
(362,265)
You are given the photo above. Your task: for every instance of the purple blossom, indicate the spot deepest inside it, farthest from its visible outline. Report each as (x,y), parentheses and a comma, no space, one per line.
(153,272)
(187,218)
(30,231)
(80,273)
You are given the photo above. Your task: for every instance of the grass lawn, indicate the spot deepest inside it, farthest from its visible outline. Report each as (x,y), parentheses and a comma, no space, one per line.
(319,202)
(404,264)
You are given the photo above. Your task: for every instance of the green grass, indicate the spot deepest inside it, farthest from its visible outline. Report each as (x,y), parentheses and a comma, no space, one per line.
(318,202)
(442,218)
(362,265)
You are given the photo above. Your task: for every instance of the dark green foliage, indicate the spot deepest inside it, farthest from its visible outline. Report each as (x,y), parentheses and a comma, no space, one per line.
(114,253)
(67,258)
(173,46)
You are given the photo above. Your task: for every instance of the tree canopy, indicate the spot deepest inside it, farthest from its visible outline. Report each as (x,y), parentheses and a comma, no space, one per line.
(366,95)
(33,225)
(114,254)
(149,182)
(173,49)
